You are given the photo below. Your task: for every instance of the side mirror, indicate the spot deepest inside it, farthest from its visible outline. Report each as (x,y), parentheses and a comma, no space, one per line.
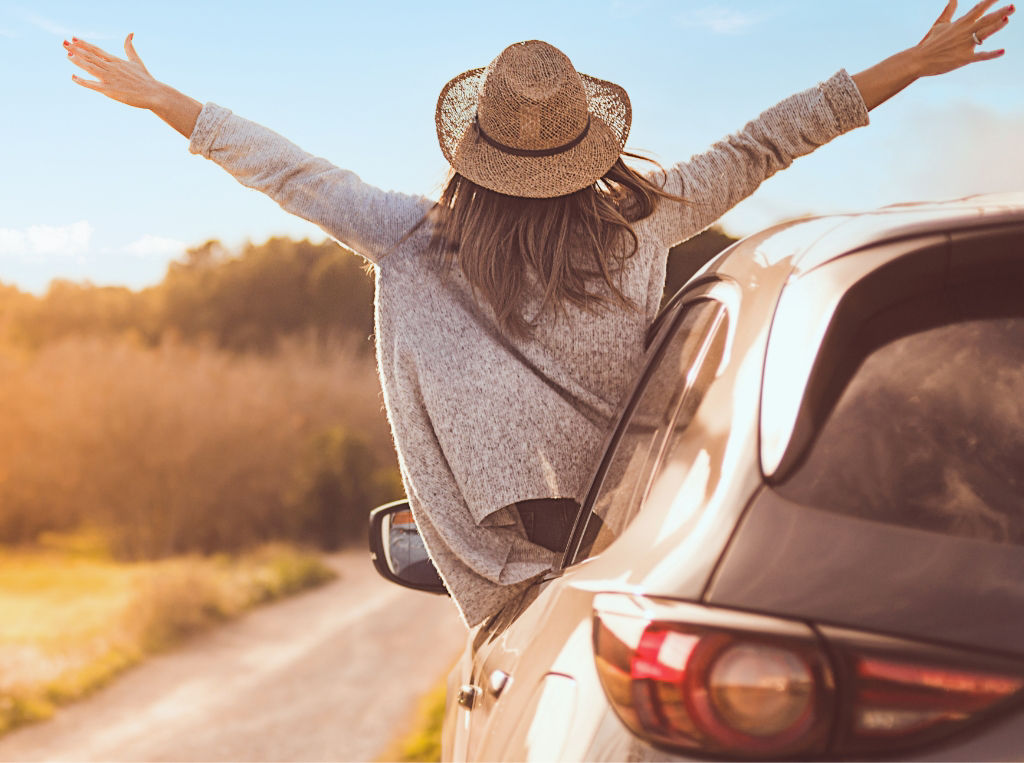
(397,550)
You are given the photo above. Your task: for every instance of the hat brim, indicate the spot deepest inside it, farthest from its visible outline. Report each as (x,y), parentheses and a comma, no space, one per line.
(531,176)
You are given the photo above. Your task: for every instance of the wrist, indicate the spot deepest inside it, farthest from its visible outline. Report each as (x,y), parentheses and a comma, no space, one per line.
(161,98)
(175,108)
(883,80)
(911,63)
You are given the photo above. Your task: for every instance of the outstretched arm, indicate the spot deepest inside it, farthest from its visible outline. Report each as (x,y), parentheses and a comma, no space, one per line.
(732,169)
(362,217)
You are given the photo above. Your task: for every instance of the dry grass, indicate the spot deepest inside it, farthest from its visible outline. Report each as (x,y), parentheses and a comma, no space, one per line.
(71,618)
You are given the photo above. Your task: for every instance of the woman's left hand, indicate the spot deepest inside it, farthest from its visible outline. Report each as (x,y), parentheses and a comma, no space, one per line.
(951,43)
(948,45)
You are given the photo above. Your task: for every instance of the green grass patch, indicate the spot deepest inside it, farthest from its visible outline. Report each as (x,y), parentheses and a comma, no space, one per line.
(72,618)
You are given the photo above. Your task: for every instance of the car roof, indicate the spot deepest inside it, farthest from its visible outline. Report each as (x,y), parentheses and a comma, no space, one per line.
(807,243)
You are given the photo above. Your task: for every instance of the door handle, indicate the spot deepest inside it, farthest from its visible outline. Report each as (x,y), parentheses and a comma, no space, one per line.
(468,694)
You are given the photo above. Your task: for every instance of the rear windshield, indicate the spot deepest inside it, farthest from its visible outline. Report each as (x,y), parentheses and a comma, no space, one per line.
(927,430)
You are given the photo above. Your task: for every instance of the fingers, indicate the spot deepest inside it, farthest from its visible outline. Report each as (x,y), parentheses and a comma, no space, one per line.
(91,84)
(947,13)
(993,22)
(129,49)
(91,63)
(977,11)
(987,55)
(77,44)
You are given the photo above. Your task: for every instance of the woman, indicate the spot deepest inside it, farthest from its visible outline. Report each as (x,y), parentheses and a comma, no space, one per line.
(511,314)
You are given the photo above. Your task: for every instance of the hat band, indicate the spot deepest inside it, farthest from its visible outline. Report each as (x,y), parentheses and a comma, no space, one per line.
(527,151)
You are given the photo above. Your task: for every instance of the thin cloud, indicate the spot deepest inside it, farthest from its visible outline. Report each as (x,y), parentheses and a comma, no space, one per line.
(46,242)
(59,30)
(720,19)
(154,246)
(940,155)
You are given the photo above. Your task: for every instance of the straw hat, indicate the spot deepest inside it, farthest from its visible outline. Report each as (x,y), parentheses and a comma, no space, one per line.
(530,124)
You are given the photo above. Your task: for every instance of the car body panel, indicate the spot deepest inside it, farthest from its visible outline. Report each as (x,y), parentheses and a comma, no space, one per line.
(501,722)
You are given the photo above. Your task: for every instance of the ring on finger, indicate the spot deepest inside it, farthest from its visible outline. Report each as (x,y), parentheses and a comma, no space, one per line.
(977,40)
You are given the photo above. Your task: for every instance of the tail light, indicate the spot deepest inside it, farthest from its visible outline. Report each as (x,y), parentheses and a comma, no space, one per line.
(739,685)
(900,696)
(694,679)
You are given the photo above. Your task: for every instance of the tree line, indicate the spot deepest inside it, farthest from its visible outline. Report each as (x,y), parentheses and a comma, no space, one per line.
(242,301)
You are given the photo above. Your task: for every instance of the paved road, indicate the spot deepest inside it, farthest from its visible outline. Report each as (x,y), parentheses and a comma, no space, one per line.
(330,674)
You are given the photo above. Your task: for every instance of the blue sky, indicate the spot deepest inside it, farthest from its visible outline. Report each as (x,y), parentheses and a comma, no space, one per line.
(95,190)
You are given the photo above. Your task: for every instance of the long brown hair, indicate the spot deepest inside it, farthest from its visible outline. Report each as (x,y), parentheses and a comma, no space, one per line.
(567,242)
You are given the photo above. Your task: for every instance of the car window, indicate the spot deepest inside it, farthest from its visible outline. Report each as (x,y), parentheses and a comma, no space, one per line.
(928,430)
(662,405)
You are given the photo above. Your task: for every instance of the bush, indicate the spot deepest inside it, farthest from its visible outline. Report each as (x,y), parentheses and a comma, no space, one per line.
(336,485)
(191,449)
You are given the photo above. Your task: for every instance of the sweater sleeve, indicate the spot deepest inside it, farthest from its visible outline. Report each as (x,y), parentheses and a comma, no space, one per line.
(732,169)
(364,218)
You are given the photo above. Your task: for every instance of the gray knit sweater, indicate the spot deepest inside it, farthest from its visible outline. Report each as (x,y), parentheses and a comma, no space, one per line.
(481,421)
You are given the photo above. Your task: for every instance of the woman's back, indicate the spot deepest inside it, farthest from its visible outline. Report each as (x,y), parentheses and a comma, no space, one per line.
(483,419)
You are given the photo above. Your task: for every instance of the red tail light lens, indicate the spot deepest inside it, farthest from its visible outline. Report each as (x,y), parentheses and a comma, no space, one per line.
(692,678)
(751,690)
(898,702)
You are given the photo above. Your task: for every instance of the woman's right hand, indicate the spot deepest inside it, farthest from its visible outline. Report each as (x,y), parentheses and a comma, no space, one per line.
(127,81)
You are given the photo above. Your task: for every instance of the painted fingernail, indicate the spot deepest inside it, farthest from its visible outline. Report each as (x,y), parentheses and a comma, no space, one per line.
(74,39)
(132,34)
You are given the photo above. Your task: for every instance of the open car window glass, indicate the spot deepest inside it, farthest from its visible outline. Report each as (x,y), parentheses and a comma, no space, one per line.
(663,405)
(926,427)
